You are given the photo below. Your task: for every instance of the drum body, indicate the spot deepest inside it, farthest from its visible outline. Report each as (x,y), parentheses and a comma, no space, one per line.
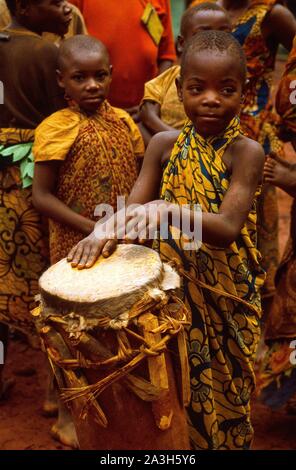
(121,364)
(131,421)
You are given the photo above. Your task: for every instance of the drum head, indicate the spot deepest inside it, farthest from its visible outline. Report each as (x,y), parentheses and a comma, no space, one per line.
(110,287)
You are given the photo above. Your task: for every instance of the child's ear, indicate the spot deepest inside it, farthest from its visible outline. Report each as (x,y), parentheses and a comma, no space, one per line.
(60,78)
(179,45)
(178,83)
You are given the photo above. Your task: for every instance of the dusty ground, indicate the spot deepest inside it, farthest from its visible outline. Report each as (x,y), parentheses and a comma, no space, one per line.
(22,425)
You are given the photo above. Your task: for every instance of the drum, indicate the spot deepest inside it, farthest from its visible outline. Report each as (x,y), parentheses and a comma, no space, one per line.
(115,338)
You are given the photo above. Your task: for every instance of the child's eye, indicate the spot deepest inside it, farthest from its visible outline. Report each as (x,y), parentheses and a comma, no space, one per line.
(228,91)
(195,90)
(78,78)
(101,76)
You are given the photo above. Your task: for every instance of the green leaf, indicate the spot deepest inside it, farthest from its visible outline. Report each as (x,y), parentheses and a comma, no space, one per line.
(27,182)
(23,165)
(21,152)
(6,152)
(18,151)
(29,169)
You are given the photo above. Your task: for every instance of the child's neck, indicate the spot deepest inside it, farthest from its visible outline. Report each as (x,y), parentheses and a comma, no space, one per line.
(17,23)
(91,113)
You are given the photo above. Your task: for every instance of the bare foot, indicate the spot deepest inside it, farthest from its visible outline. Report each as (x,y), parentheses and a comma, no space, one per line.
(66,435)
(64,430)
(280,173)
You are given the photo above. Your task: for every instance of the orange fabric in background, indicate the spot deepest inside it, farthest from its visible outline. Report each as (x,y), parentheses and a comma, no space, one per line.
(134,55)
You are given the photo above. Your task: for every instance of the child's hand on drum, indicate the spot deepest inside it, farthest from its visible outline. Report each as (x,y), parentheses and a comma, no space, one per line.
(137,224)
(86,252)
(102,241)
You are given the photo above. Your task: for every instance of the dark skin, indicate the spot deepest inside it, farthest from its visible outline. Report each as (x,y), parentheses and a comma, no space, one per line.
(200,21)
(86,79)
(279,26)
(211,97)
(53,16)
(281,173)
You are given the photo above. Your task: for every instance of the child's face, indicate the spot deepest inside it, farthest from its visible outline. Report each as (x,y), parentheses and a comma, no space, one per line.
(204,21)
(53,16)
(86,79)
(207,20)
(211,90)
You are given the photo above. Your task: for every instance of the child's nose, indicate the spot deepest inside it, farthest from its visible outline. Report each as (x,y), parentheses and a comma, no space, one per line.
(211,99)
(92,84)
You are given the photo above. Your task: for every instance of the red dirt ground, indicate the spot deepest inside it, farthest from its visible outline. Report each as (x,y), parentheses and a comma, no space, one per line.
(22,425)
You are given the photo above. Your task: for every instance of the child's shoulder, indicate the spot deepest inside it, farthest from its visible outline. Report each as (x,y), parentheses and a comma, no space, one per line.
(55,135)
(162,145)
(165,78)
(248,150)
(122,114)
(62,119)
(246,145)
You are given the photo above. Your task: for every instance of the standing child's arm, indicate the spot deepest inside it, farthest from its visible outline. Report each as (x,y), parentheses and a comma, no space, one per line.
(247,163)
(150,117)
(155,93)
(280,26)
(44,185)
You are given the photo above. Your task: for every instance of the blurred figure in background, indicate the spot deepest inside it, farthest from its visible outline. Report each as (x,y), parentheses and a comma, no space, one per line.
(139,38)
(77,24)
(276,380)
(161,109)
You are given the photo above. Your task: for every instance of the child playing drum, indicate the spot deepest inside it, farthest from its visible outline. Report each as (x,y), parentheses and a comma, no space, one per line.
(211,164)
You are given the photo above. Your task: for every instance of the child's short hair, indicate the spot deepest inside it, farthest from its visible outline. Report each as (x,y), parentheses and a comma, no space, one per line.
(216,41)
(80,43)
(191,11)
(11,5)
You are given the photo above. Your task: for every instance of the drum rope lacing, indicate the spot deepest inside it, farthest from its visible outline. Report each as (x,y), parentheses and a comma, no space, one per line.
(171,318)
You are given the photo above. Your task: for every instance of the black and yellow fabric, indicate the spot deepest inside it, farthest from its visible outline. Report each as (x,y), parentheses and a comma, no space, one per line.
(24,253)
(221,287)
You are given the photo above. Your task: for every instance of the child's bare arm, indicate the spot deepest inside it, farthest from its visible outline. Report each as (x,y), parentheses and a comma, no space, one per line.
(280,26)
(247,168)
(47,203)
(150,116)
(147,186)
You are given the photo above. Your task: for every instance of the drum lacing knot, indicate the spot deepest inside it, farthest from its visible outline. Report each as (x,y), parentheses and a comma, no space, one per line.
(154,350)
(175,326)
